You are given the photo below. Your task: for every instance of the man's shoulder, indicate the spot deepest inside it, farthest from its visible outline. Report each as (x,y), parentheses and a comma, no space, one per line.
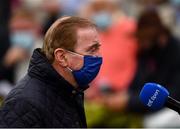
(20,111)
(29,89)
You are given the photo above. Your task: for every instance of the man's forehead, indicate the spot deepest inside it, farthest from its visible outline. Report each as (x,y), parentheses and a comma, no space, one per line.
(88,31)
(86,34)
(87,37)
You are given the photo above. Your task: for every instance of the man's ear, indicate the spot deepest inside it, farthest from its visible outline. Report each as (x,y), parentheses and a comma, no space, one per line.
(59,55)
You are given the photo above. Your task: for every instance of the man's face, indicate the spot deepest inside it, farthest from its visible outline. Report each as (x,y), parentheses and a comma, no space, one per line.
(87,44)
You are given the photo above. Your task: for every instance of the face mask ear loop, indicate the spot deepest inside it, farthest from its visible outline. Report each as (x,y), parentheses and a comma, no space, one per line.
(70,69)
(74,53)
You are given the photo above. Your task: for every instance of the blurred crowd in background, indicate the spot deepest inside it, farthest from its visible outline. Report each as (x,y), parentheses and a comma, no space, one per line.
(140,43)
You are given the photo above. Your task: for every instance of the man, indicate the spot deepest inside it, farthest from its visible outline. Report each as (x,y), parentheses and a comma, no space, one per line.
(51,94)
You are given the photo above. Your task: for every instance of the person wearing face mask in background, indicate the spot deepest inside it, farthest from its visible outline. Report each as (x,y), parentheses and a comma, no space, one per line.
(118,50)
(51,93)
(23,38)
(158,61)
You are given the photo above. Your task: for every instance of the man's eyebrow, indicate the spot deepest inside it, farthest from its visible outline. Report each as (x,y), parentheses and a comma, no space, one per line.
(95,45)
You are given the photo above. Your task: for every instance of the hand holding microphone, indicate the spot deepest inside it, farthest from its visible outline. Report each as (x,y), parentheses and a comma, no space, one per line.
(156,97)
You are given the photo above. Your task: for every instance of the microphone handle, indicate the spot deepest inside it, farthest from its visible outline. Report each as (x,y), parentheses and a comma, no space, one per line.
(173,104)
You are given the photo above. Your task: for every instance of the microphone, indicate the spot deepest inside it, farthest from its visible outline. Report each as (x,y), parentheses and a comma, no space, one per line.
(156,97)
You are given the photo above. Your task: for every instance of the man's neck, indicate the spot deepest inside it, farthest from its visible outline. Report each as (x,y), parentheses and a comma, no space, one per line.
(66,74)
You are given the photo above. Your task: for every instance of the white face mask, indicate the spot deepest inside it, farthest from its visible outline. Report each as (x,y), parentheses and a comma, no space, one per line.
(102,19)
(23,39)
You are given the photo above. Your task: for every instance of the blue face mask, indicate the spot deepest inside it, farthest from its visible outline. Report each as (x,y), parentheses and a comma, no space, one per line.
(23,39)
(89,70)
(102,19)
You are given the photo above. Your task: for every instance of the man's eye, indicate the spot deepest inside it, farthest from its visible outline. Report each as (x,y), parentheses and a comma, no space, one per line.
(94,49)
